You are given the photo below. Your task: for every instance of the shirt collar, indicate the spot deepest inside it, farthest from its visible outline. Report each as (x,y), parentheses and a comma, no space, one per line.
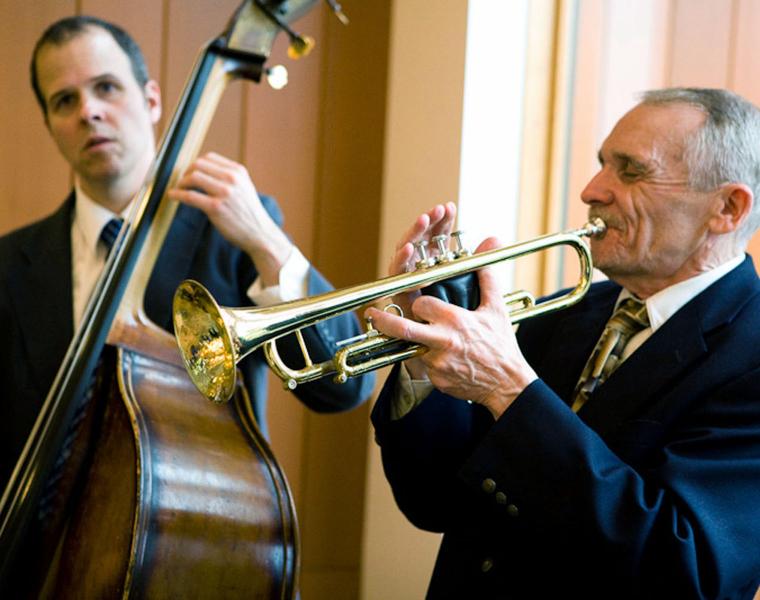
(665,303)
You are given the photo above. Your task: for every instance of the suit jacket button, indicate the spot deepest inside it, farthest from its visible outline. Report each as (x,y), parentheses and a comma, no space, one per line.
(486,565)
(501,498)
(513,511)
(488,486)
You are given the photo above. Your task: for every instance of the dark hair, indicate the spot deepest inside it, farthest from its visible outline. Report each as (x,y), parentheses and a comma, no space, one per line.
(69,28)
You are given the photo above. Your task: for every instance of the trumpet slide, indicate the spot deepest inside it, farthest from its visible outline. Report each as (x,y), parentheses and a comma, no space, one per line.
(212,339)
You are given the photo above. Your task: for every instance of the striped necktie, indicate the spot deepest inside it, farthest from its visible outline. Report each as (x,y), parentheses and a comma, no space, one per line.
(110,231)
(629,318)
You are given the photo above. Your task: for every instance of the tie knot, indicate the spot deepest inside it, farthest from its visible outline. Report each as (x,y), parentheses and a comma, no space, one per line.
(630,314)
(110,231)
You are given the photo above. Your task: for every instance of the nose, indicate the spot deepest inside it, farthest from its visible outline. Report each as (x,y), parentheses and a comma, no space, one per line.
(91,109)
(599,189)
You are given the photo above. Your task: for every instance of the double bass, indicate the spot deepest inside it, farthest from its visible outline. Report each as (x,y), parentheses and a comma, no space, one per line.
(183,498)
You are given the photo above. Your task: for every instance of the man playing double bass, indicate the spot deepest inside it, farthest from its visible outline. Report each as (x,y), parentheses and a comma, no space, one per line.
(100,107)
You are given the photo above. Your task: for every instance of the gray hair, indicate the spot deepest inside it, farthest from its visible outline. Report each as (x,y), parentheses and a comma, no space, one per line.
(726,149)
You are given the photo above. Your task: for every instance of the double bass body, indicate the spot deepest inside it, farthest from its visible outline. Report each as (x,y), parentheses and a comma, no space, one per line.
(183,498)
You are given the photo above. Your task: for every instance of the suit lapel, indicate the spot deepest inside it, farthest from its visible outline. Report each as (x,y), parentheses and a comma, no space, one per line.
(42,293)
(174,263)
(674,349)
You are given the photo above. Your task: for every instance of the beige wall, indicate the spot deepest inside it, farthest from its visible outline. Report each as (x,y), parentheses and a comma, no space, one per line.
(422,143)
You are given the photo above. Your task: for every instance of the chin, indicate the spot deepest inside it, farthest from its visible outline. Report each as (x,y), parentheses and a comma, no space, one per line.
(100,170)
(608,261)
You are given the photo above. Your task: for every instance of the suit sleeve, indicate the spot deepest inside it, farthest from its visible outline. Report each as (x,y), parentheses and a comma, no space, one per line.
(322,395)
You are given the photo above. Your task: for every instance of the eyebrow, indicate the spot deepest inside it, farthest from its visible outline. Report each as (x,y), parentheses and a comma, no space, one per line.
(622,157)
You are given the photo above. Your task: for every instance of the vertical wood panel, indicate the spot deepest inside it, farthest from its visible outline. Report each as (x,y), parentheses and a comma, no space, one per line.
(349,191)
(33,178)
(422,149)
(191,25)
(281,133)
(352,130)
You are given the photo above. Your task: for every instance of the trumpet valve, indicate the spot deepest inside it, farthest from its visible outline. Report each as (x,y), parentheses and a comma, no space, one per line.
(459,249)
(444,254)
(424,261)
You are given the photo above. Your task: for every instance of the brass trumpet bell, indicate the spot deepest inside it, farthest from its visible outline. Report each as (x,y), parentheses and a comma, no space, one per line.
(205,340)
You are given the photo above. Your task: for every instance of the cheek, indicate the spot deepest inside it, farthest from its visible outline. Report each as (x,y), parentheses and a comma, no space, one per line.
(63,139)
(604,249)
(137,125)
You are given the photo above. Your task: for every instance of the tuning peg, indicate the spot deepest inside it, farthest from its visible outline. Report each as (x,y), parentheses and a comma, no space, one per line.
(300,46)
(277,77)
(338,11)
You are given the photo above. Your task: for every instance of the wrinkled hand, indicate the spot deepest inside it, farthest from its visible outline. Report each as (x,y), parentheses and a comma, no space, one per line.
(223,190)
(472,355)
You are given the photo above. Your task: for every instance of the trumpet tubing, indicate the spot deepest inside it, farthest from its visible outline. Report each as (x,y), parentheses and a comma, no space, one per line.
(212,339)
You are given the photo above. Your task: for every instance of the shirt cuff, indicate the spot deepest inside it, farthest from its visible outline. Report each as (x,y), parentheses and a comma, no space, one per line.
(293,282)
(409,394)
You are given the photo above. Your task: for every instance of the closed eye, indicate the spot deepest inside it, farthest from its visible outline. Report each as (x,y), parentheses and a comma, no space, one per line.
(629,168)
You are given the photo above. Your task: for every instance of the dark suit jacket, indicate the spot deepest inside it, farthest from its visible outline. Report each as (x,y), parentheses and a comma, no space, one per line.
(652,490)
(37,323)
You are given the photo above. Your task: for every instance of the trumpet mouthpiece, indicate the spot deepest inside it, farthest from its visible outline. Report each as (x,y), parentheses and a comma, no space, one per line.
(595,227)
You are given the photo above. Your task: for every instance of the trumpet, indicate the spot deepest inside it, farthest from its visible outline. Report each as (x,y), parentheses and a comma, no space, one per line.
(213,339)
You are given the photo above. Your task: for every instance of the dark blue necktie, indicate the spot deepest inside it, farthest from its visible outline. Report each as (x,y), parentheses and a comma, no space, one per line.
(110,231)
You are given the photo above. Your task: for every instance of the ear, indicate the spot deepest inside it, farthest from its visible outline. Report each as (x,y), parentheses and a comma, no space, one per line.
(153,98)
(734,203)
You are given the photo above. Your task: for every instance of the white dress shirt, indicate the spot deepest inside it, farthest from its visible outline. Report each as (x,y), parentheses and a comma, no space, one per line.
(89,254)
(665,303)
